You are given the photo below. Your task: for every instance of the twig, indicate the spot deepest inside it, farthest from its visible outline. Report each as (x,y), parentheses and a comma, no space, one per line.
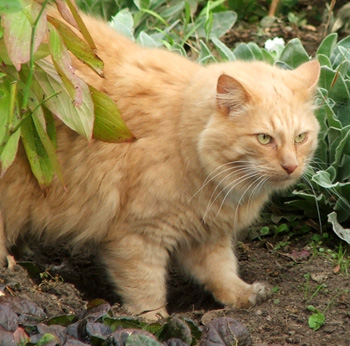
(331,6)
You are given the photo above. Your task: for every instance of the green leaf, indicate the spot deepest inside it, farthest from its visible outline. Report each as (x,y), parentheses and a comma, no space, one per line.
(294,53)
(47,82)
(176,328)
(256,50)
(327,45)
(324,60)
(146,40)
(18,31)
(205,55)
(108,126)
(11,6)
(223,50)
(63,65)
(8,152)
(77,46)
(62,320)
(243,52)
(123,23)
(46,339)
(222,22)
(84,31)
(316,320)
(36,153)
(49,148)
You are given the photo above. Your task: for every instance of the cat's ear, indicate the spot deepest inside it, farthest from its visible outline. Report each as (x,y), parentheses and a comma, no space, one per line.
(231,94)
(310,73)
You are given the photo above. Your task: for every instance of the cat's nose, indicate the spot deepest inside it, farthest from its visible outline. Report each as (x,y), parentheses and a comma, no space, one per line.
(290,168)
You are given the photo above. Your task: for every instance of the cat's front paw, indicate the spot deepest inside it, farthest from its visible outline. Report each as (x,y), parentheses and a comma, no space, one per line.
(249,296)
(259,293)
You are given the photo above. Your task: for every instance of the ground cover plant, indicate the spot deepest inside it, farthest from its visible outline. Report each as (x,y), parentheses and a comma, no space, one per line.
(315,213)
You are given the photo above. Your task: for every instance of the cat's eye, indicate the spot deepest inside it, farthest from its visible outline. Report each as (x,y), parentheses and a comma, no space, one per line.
(300,138)
(264,139)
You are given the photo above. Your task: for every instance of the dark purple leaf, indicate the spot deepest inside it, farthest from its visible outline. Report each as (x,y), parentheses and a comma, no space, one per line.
(22,306)
(225,331)
(6,337)
(119,337)
(74,342)
(175,342)
(8,319)
(97,309)
(98,329)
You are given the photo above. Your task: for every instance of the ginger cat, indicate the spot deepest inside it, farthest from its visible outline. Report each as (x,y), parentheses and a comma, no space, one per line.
(213,143)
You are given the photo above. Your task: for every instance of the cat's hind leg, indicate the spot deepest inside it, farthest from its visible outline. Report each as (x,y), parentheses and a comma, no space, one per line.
(138,268)
(215,266)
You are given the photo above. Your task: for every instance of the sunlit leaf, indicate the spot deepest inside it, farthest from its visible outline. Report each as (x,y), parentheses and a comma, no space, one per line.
(8,152)
(123,23)
(108,126)
(36,154)
(82,27)
(342,233)
(316,320)
(79,119)
(18,31)
(77,46)
(63,65)
(294,53)
(10,6)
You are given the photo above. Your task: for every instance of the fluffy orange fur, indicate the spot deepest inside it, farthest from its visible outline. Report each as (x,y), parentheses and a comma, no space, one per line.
(213,143)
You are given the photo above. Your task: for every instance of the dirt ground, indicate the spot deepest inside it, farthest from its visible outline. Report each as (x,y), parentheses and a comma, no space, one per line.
(299,275)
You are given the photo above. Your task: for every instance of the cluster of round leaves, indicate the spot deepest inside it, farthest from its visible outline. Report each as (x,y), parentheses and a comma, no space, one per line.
(22,322)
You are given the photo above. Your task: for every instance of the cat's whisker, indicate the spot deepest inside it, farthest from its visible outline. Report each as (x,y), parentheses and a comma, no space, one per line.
(257,189)
(236,182)
(248,177)
(207,180)
(240,200)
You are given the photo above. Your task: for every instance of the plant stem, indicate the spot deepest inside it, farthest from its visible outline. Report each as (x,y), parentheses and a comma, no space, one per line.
(31,60)
(28,113)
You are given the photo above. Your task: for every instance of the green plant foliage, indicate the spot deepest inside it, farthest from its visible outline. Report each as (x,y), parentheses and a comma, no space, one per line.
(177,25)
(32,89)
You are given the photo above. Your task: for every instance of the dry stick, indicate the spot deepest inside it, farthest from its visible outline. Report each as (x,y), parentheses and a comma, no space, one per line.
(331,6)
(273,7)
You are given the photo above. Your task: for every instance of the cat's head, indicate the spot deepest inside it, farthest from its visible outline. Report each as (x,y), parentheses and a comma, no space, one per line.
(263,132)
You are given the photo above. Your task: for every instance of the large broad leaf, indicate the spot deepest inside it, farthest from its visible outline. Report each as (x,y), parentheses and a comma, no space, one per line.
(18,31)
(327,45)
(123,23)
(108,126)
(63,65)
(224,51)
(37,156)
(47,83)
(225,331)
(77,46)
(8,116)
(8,152)
(294,53)
(342,233)
(221,23)
(7,6)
